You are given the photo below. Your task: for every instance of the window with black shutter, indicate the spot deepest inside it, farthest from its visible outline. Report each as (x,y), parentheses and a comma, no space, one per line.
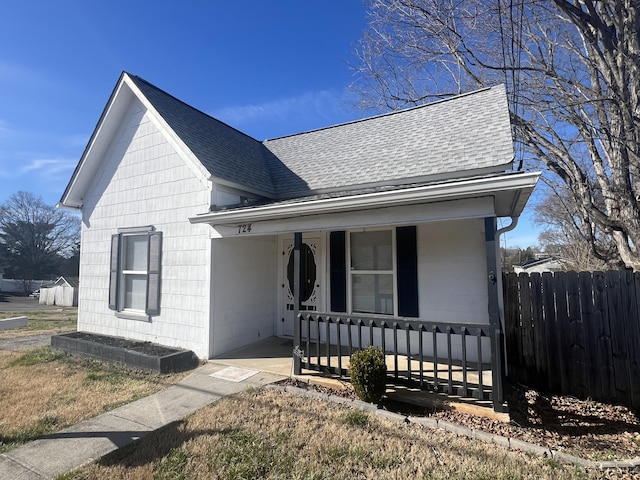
(374,271)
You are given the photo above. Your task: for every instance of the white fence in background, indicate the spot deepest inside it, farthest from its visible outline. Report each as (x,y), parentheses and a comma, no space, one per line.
(9,285)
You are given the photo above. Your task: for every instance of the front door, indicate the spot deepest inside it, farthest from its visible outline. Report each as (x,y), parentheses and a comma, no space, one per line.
(311,279)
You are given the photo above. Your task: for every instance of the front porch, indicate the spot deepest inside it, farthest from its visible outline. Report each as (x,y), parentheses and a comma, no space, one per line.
(276,355)
(414,272)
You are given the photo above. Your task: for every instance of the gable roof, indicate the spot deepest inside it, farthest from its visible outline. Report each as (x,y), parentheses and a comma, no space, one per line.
(459,137)
(62,281)
(225,152)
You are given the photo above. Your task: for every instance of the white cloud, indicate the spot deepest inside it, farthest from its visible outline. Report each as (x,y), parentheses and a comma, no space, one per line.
(5,130)
(48,166)
(302,112)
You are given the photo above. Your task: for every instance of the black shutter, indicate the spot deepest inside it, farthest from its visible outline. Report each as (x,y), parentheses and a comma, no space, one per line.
(407,256)
(113,276)
(153,274)
(338,271)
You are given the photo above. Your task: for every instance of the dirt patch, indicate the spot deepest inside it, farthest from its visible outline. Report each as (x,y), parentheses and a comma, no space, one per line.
(21,342)
(584,428)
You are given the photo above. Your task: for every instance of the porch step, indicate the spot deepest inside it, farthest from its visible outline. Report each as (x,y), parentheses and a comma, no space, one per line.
(436,401)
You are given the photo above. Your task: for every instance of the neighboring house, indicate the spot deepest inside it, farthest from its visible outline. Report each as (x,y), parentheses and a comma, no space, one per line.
(188,224)
(63,292)
(539,265)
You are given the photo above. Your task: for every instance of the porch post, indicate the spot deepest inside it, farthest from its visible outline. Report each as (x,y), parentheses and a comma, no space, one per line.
(297,246)
(497,343)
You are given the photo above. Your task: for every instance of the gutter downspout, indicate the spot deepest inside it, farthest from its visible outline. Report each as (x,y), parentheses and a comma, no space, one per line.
(508,228)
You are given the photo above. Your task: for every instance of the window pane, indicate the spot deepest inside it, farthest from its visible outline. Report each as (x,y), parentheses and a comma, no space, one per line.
(135,253)
(371,250)
(372,293)
(135,292)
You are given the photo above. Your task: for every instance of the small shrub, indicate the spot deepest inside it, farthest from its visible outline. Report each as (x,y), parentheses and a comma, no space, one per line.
(368,372)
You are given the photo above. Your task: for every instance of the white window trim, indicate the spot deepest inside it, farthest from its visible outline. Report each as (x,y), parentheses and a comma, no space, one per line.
(351,271)
(120,311)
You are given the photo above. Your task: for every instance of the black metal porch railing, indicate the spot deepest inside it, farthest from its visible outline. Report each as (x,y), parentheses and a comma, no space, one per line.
(419,353)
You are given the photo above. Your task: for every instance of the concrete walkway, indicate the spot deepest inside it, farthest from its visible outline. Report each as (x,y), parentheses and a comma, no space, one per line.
(90,440)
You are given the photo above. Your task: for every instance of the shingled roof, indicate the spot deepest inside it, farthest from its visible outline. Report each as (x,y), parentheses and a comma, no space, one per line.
(447,139)
(456,137)
(224,151)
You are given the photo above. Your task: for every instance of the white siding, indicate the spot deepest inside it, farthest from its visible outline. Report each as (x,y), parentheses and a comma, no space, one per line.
(243,291)
(452,271)
(143,181)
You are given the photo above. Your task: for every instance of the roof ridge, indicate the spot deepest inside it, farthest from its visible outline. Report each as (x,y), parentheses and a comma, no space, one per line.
(387,114)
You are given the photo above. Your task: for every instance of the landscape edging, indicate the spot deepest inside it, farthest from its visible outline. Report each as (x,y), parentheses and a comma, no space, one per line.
(510,443)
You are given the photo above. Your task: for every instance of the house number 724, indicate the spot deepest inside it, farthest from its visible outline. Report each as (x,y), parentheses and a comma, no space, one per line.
(244,228)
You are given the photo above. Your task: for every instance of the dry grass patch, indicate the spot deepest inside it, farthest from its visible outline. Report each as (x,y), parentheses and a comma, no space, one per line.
(43,391)
(266,434)
(49,321)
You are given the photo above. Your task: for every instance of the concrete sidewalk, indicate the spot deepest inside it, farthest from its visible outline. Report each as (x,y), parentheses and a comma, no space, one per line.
(90,440)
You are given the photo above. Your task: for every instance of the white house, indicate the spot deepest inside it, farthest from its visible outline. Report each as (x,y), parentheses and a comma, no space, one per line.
(188,225)
(540,265)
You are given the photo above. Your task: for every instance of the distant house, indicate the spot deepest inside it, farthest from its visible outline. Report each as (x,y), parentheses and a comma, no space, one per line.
(188,224)
(63,292)
(539,265)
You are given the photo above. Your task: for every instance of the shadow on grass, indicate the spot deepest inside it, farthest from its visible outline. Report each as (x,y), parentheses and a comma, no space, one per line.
(152,446)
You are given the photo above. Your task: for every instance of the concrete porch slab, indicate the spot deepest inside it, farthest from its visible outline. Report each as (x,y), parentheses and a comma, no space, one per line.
(272,355)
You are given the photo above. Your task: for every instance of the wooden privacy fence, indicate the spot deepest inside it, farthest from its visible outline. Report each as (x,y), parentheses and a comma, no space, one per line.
(575,333)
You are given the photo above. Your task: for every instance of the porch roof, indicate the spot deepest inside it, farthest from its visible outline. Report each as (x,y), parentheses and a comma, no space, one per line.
(508,191)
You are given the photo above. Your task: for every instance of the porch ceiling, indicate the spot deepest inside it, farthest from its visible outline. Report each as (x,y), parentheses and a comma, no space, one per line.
(502,195)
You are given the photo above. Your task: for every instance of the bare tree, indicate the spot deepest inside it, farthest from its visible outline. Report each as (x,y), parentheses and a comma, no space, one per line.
(572,69)
(35,237)
(568,237)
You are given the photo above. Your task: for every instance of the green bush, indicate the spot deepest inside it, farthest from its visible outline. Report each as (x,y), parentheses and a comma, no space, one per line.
(368,372)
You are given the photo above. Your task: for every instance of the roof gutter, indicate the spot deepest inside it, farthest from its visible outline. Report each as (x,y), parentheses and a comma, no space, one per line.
(64,206)
(424,194)
(511,226)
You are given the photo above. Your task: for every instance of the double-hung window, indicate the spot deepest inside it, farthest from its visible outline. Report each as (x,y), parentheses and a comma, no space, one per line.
(374,272)
(134,287)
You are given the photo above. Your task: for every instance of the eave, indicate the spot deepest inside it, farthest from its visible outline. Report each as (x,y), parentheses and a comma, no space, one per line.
(510,192)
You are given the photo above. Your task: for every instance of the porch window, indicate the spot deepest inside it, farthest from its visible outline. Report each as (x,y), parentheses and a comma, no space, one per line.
(372,272)
(135,272)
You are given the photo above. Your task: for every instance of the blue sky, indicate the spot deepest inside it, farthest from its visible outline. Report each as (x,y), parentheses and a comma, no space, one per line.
(268,68)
